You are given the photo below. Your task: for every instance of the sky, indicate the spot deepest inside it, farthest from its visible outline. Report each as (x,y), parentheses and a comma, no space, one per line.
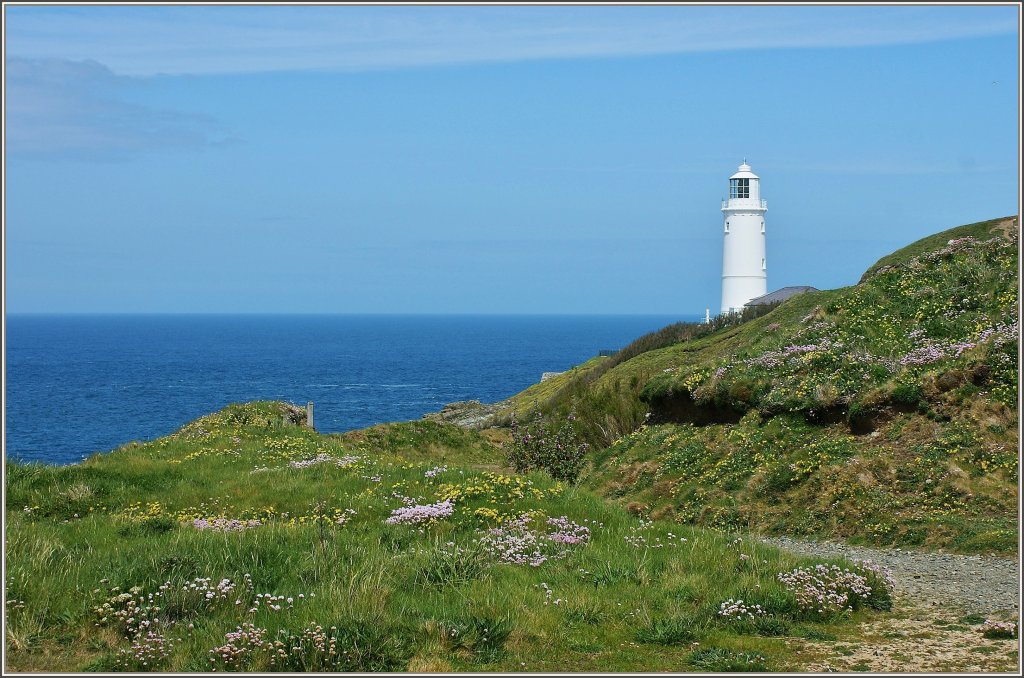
(441,159)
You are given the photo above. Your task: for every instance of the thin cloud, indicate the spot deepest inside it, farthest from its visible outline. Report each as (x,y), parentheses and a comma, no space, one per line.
(214,40)
(57,108)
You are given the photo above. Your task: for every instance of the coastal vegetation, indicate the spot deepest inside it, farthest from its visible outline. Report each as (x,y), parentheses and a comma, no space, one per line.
(611,526)
(247,542)
(884,412)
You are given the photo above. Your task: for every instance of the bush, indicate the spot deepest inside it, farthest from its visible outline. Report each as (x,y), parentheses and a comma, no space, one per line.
(541,446)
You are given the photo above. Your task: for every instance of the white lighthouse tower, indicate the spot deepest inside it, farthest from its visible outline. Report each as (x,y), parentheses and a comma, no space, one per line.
(744,271)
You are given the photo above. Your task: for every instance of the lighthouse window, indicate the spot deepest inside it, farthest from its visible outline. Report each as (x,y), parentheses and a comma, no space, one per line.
(739,188)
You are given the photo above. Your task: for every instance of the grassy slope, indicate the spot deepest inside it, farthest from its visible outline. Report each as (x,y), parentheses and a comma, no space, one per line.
(400,597)
(934,458)
(525,401)
(982,230)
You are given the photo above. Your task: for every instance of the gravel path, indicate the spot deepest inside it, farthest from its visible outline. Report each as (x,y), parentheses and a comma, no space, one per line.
(975,584)
(926,633)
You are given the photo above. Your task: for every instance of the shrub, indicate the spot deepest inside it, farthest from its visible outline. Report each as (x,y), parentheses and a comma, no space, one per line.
(559,450)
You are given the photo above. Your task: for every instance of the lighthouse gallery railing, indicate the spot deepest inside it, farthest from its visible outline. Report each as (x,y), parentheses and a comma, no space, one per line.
(745,202)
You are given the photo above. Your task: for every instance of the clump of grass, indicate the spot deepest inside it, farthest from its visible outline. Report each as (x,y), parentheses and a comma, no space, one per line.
(588,611)
(723,660)
(678,630)
(452,565)
(148,526)
(482,637)
(359,645)
(811,633)
(767,625)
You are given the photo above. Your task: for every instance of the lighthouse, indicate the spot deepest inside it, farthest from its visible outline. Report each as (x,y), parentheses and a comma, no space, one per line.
(744,270)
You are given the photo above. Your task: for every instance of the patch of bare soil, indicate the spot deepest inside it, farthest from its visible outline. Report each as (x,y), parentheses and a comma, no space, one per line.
(940,603)
(1007,227)
(914,641)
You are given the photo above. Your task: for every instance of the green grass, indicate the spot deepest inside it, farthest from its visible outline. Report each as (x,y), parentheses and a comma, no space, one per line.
(980,230)
(544,391)
(390,597)
(821,445)
(859,432)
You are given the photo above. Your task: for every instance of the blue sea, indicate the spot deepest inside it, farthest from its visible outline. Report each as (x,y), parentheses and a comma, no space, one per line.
(79,384)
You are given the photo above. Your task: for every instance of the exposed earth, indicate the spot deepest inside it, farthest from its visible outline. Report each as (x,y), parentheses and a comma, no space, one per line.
(941,601)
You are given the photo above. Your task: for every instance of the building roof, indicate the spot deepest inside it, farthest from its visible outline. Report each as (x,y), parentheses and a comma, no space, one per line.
(744,172)
(780,295)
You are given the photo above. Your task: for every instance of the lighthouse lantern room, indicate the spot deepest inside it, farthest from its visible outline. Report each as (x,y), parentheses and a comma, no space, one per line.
(744,270)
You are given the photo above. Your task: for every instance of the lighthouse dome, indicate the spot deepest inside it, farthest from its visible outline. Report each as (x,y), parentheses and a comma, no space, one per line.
(744,173)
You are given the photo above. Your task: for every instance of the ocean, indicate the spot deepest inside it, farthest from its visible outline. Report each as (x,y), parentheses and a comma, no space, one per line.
(79,384)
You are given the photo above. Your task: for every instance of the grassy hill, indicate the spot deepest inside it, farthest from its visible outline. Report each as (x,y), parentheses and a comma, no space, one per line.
(247,542)
(884,412)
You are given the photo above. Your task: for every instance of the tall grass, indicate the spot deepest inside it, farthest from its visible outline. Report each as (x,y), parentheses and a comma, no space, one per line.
(390,597)
(606,413)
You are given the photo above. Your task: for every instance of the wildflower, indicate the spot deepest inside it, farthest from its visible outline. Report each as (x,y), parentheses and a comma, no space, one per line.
(419,514)
(437,470)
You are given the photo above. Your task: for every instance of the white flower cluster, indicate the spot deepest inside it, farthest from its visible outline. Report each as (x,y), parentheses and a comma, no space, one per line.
(825,588)
(737,609)
(274,602)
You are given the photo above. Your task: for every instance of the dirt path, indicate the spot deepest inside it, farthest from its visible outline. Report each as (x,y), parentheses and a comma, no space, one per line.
(941,600)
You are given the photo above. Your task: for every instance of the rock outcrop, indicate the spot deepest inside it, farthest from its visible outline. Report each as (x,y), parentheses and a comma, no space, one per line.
(471,414)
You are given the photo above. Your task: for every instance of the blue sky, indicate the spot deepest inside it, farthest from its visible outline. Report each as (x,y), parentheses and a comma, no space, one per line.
(485,159)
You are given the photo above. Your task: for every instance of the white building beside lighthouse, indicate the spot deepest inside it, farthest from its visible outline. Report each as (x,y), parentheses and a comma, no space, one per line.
(744,269)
